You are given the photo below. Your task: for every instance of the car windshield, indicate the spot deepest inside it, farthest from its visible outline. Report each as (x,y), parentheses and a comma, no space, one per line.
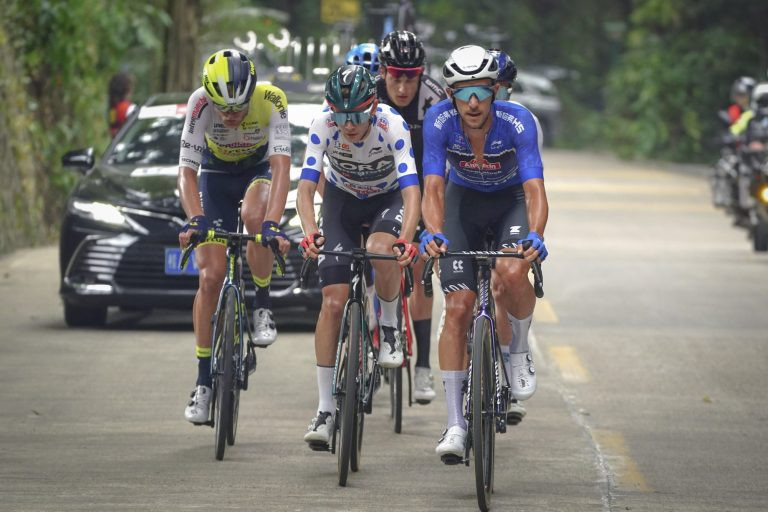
(150,141)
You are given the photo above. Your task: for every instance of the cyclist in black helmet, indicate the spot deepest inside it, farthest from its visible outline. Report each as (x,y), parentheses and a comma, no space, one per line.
(404,85)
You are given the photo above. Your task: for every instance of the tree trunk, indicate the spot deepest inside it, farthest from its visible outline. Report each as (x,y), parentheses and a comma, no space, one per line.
(181,61)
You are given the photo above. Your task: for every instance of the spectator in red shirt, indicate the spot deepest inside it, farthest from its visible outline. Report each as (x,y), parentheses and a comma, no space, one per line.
(120,105)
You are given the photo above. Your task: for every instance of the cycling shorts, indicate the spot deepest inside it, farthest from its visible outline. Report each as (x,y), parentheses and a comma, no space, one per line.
(221,192)
(469,216)
(343,221)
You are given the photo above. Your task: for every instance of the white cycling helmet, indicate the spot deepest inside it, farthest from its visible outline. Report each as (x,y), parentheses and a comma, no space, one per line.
(470,63)
(759,98)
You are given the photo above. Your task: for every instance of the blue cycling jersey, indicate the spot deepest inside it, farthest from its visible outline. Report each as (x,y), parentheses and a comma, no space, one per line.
(510,156)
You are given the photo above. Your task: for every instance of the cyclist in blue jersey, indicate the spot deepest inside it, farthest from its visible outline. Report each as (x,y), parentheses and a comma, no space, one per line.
(366,55)
(496,183)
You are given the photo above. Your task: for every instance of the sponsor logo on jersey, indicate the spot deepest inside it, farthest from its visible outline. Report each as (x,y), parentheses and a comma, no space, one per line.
(509,118)
(378,170)
(383,124)
(444,117)
(277,101)
(375,151)
(479,165)
(497,144)
(197,111)
(341,145)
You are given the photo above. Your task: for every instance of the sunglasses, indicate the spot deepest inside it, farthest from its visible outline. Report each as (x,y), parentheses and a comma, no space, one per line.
(407,72)
(480,92)
(231,108)
(341,118)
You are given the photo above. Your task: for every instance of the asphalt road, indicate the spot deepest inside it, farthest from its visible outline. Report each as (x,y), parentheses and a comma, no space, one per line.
(651,351)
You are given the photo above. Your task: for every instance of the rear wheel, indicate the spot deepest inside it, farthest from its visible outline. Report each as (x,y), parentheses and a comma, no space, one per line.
(483,412)
(396,397)
(225,371)
(348,438)
(237,355)
(84,316)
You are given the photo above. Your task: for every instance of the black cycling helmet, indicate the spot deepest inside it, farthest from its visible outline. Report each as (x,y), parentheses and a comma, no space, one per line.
(401,49)
(350,88)
(507,67)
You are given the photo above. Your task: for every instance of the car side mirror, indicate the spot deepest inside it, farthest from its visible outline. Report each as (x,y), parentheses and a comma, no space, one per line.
(80,158)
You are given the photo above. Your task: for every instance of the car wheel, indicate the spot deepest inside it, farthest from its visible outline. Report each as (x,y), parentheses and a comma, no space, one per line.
(81,316)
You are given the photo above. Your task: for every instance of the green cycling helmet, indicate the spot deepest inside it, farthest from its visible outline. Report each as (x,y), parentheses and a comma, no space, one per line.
(350,88)
(229,77)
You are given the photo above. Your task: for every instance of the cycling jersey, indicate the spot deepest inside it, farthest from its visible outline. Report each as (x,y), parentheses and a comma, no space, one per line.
(380,163)
(429,93)
(510,155)
(263,132)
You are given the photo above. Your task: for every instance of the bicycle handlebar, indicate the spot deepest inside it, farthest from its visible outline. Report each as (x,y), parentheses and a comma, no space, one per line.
(225,236)
(538,278)
(352,254)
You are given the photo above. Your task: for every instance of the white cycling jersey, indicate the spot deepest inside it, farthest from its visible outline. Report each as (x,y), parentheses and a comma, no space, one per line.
(380,163)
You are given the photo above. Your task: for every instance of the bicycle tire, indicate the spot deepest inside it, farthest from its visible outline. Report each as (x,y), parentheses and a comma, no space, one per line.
(483,412)
(396,395)
(239,357)
(348,439)
(225,345)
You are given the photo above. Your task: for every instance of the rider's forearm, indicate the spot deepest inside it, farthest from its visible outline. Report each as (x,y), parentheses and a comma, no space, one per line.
(433,203)
(305,204)
(536,204)
(411,213)
(281,182)
(189,193)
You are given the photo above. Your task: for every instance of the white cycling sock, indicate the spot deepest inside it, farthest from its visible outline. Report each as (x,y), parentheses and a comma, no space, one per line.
(325,402)
(454,383)
(388,312)
(507,361)
(519,343)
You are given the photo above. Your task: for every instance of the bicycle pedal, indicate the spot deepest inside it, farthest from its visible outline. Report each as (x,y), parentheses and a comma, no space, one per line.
(423,402)
(514,418)
(450,459)
(319,446)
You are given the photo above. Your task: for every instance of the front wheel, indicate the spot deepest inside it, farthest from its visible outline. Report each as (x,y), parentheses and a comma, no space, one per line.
(225,372)
(396,397)
(483,428)
(349,395)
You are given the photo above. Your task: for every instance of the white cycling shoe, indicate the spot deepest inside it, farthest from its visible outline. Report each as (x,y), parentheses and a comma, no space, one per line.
(390,348)
(450,448)
(198,406)
(523,379)
(319,432)
(424,388)
(264,329)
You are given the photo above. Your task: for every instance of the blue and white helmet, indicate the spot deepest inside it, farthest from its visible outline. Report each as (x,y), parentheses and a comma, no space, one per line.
(507,67)
(366,55)
(470,62)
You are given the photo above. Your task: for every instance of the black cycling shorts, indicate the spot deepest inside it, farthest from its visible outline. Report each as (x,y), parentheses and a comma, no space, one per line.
(343,221)
(221,192)
(469,216)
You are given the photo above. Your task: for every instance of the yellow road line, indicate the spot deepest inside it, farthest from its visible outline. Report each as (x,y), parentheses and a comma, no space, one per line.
(569,364)
(544,313)
(616,452)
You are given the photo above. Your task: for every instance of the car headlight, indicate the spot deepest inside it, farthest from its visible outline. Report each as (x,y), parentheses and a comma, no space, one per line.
(100,212)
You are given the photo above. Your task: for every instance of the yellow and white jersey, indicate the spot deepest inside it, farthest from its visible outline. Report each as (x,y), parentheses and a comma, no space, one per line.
(263,132)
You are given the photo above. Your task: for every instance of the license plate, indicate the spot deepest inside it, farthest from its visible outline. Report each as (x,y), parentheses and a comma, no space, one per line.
(172,260)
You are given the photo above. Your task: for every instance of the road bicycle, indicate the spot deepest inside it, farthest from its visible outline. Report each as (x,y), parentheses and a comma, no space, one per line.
(232,361)
(356,369)
(488,383)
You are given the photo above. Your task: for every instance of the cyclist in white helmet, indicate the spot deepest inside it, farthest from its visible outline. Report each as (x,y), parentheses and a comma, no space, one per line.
(495,182)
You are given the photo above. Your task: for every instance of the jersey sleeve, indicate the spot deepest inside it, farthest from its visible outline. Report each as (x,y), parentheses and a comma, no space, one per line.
(527,146)
(193,137)
(434,136)
(402,150)
(279,127)
(317,143)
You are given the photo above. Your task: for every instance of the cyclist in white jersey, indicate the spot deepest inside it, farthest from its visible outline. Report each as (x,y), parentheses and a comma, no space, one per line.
(370,179)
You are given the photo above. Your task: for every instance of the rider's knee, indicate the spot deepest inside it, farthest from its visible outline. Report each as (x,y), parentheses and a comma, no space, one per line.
(510,277)
(460,307)
(210,281)
(333,303)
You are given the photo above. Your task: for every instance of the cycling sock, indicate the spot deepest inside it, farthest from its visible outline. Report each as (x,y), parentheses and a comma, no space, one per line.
(423,331)
(204,371)
(519,343)
(388,312)
(325,402)
(507,361)
(455,383)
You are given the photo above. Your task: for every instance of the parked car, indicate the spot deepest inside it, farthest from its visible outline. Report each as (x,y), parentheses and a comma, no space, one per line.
(539,94)
(119,236)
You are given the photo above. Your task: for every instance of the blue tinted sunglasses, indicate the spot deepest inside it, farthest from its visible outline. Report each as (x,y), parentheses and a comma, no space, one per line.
(341,118)
(480,92)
